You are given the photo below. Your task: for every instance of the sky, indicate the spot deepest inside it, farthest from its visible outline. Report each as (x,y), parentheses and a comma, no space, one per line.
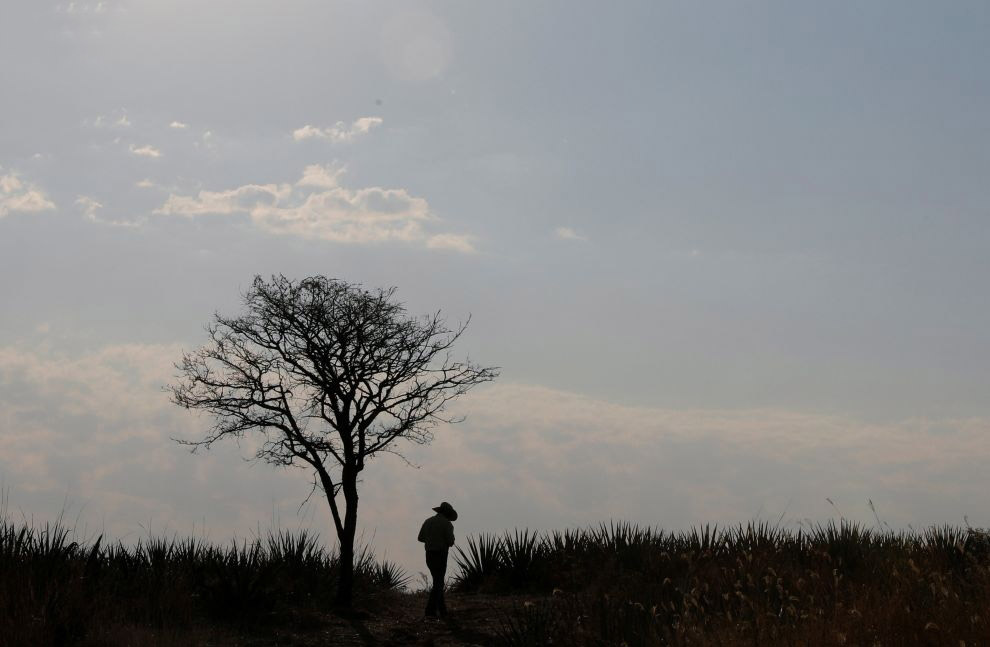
(730,257)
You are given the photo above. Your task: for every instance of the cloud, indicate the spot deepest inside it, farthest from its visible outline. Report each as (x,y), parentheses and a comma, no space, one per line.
(457,242)
(178,125)
(82,8)
(207,141)
(19,196)
(339,132)
(566,233)
(97,425)
(146,183)
(83,19)
(318,207)
(146,151)
(90,208)
(243,199)
(112,393)
(114,382)
(117,119)
(307,132)
(325,177)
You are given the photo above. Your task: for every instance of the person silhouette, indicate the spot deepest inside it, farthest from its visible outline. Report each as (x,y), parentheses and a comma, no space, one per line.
(437,534)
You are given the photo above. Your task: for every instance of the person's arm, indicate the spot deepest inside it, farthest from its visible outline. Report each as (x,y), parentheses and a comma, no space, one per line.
(450,534)
(422,533)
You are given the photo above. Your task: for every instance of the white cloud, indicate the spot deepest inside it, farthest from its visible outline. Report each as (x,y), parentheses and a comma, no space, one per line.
(178,125)
(243,199)
(19,196)
(457,242)
(339,132)
(325,177)
(146,151)
(566,233)
(366,215)
(318,207)
(146,183)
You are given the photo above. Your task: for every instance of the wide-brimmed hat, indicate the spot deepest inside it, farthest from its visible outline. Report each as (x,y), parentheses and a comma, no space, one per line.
(447,510)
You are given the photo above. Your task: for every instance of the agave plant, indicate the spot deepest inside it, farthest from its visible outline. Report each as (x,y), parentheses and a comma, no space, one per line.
(521,553)
(482,560)
(388,575)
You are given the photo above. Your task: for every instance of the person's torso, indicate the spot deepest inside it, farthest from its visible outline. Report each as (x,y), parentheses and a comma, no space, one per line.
(436,532)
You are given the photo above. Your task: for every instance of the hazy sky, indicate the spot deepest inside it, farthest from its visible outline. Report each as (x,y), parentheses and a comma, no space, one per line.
(732,257)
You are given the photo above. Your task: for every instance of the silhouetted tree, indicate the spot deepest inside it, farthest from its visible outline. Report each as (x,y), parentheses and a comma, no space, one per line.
(329,374)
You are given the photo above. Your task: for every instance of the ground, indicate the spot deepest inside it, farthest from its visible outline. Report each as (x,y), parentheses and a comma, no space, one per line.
(389,622)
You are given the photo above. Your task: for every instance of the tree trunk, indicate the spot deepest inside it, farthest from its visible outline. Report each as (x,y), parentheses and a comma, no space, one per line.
(345,583)
(345,586)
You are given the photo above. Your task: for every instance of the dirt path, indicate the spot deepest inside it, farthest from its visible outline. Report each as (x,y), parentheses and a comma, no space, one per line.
(393,622)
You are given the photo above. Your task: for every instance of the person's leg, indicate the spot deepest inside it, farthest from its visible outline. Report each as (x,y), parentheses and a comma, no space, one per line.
(437,571)
(442,570)
(431,609)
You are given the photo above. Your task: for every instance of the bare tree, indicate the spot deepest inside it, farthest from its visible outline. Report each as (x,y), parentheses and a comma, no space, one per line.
(329,374)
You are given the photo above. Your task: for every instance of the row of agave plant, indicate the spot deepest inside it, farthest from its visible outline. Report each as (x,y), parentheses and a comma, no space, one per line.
(55,590)
(759,583)
(523,559)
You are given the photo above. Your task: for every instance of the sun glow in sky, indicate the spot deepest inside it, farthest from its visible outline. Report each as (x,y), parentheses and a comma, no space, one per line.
(731,258)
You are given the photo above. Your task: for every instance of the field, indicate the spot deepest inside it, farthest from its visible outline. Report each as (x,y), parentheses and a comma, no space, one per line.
(617,584)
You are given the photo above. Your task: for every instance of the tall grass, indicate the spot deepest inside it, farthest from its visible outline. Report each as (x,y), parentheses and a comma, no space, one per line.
(835,583)
(54,591)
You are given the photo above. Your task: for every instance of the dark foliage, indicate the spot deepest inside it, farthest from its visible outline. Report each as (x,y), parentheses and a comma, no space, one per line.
(837,583)
(54,591)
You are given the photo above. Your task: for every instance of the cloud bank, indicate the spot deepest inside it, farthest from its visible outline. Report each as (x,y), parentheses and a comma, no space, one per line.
(98,425)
